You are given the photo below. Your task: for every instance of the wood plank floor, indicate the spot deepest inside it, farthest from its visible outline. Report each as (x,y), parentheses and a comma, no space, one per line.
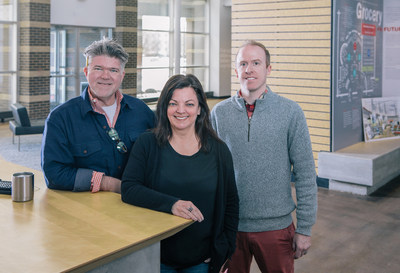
(354,234)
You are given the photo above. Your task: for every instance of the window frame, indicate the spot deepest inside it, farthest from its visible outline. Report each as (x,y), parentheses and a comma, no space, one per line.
(77,73)
(175,49)
(14,50)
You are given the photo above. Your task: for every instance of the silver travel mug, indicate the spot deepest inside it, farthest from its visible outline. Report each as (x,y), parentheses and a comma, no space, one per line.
(22,187)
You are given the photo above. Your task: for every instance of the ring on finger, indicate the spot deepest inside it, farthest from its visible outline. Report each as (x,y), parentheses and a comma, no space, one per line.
(190,209)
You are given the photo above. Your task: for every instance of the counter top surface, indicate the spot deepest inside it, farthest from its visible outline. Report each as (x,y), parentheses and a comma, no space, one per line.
(70,231)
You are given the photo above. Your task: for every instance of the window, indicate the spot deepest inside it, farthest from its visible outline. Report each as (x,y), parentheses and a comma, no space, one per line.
(168,46)
(8,53)
(67,79)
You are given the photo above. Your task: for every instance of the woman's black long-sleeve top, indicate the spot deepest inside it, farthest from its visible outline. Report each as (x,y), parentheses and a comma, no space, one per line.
(142,173)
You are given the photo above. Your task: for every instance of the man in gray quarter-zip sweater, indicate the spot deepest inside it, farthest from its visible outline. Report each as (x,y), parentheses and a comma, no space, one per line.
(270,143)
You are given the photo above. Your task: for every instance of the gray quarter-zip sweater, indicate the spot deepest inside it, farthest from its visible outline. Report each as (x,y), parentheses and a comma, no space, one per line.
(265,150)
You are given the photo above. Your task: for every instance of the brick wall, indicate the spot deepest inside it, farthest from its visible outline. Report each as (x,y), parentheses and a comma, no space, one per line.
(126,34)
(34,57)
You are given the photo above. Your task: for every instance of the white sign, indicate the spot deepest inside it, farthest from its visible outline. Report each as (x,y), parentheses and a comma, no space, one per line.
(391,45)
(85,13)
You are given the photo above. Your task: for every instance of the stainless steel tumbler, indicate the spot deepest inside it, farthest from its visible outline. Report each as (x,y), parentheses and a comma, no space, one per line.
(22,186)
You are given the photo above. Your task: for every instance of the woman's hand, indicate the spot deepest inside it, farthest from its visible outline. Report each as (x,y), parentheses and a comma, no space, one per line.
(187,210)
(109,183)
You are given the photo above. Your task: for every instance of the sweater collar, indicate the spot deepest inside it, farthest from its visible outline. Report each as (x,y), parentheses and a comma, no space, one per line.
(240,104)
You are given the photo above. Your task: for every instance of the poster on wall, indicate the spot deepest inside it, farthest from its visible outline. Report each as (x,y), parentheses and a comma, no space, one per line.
(381,118)
(356,65)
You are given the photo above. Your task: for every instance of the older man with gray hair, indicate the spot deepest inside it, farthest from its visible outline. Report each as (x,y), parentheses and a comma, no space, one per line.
(87,140)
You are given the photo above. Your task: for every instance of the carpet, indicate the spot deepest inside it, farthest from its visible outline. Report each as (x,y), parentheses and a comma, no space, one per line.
(29,154)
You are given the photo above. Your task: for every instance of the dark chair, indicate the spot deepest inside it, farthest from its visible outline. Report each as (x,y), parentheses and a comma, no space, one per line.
(5,114)
(21,125)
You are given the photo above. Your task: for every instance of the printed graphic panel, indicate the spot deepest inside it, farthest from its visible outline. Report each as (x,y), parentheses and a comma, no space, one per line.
(356,66)
(381,118)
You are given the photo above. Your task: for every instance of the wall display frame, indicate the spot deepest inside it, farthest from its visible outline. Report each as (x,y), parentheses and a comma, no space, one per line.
(381,118)
(356,65)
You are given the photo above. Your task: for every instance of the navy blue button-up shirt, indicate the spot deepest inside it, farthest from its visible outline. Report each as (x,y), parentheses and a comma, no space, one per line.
(76,143)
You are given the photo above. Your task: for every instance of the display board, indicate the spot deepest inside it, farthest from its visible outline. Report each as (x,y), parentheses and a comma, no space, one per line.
(356,65)
(381,118)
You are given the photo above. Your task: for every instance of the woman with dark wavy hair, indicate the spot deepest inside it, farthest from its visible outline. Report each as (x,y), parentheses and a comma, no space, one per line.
(183,168)
(203,128)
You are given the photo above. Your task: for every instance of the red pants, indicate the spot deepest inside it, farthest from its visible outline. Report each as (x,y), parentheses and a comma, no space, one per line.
(272,251)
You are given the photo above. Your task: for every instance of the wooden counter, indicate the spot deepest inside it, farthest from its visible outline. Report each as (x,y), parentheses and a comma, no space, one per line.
(61,231)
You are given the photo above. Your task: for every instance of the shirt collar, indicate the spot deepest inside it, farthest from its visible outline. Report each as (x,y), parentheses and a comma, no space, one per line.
(94,101)
(88,107)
